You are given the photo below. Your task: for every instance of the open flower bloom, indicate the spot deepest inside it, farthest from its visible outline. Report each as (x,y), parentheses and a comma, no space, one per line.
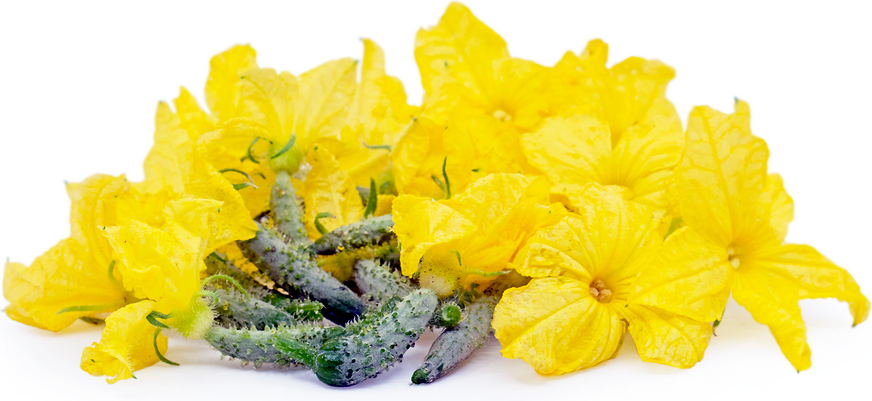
(164,266)
(628,96)
(328,189)
(79,276)
(470,238)
(727,197)
(586,269)
(578,150)
(466,70)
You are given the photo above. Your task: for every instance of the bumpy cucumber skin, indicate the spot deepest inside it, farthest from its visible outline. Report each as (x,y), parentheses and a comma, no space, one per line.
(456,344)
(366,232)
(234,310)
(287,211)
(294,268)
(378,283)
(259,346)
(374,344)
(299,309)
(214,265)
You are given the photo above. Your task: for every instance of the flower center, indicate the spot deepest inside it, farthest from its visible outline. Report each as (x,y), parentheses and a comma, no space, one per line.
(502,116)
(599,291)
(733,257)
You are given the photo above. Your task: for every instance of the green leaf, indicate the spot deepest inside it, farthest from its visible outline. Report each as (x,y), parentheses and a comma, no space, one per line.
(372,202)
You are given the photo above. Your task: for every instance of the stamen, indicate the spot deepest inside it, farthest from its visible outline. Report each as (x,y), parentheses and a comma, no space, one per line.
(735,263)
(599,291)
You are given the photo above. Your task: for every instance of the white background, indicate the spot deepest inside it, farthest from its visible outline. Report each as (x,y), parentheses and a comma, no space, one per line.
(80,83)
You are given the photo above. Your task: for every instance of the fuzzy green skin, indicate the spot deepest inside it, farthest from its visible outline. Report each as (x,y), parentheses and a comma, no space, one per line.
(214,266)
(299,309)
(378,283)
(234,310)
(294,268)
(259,346)
(367,232)
(286,210)
(456,344)
(376,342)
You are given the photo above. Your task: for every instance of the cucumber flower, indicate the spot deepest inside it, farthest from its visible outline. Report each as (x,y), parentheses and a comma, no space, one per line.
(470,239)
(726,195)
(589,271)
(164,267)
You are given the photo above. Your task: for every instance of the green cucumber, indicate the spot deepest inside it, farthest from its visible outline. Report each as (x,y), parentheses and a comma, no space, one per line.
(259,346)
(373,344)
(286,210)
(456,344)
(378,283)
(366,232)
(233,309)
(295,269)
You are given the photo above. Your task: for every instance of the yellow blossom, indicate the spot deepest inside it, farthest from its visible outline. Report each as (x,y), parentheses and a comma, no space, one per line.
(466,70)
(470,238)
(585,269)
(328,189)
(164,266)
(726,195)
(577,150)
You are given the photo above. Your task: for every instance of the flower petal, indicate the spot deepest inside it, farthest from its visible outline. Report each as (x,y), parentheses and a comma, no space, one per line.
(127,344)
(65,276)
(225,72)
(721,177)
(688,276)
(556,326)
(666,338)
(421,223)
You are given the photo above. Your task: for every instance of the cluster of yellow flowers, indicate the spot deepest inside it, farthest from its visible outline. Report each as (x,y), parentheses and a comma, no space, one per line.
(575,185)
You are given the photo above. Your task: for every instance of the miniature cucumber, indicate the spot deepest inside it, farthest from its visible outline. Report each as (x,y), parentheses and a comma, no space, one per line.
(375,343)
(217,265)
(456,344)
(294,268)
(286,210)
(369,231)
(378,283)
(299,309)
(259,346)
(233,309)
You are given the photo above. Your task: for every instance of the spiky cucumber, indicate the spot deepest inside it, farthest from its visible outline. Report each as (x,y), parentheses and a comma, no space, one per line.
(378,283)
(294,268)
(366,232)
(233,309)
(375,343)
(286,210)
(456,344)
(259,346)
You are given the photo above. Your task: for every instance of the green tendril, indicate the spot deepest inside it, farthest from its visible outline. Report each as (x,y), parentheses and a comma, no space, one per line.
(157,350)
(320,227)
(386,147)
(231,280)
(112,271)
(92,320)
(445,176)
(372,202)
(251,145)
(237,187)
(476,272)
(456,253)
(287,147)
(204,293)
(85,308)
(152,318)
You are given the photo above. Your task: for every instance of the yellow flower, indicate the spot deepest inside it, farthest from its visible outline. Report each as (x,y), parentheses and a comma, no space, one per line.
(164,266)
(328,189)
(378,112)
(177,162)
(79,275)
(630,95)
(453,243)
(585,269)
(726,196)
(466,70)
(578,150)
